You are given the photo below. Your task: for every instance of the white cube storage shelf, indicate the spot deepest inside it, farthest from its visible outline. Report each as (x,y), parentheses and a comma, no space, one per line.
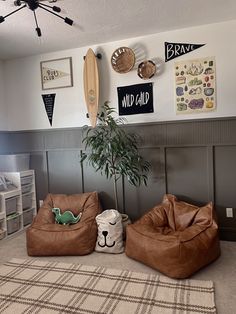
(17,206)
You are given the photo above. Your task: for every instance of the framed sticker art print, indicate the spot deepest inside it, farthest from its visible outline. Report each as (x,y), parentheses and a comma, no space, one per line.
(56,73)
(195,85)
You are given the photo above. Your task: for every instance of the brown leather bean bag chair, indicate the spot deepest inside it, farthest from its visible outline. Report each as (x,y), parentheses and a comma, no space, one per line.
(45,237)
(174,237)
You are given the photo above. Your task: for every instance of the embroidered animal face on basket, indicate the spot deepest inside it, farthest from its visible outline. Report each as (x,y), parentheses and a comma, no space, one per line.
(110,232)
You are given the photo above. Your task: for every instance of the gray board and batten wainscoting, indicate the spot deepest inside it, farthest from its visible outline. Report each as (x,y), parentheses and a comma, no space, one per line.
(193,159)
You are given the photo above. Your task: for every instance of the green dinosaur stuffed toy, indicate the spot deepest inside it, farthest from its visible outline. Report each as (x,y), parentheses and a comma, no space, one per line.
(66,218)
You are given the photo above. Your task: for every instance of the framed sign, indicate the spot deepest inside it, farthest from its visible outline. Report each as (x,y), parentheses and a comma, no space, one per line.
(135,99)
(56,73)
(195,85)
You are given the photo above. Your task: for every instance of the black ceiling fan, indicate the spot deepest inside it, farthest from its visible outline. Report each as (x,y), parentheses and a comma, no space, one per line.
(34,5)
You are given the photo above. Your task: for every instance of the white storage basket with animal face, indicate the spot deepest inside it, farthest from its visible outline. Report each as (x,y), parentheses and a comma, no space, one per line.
(110,232)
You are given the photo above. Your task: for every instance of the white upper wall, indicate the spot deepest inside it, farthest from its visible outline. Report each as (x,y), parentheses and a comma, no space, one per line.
(3,113)
(23,83)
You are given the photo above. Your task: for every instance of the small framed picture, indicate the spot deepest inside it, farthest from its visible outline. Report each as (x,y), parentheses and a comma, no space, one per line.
(56,73)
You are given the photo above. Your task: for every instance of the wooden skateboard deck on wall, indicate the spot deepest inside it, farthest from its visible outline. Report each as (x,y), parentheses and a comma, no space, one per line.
(91,86)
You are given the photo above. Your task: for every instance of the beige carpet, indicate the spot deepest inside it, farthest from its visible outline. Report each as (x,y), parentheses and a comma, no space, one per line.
(37,286)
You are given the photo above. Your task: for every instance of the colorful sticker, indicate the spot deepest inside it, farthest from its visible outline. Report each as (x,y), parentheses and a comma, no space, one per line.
(195,85)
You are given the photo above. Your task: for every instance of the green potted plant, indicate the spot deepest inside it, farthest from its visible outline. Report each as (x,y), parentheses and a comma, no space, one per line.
(114,152)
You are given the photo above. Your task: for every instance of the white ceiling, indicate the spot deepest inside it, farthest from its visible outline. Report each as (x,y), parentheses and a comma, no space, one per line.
(99,21)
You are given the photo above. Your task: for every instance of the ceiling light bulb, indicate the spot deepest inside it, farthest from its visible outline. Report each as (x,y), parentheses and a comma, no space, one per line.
(68,21)
(56,9)
(38,30)
(17,2)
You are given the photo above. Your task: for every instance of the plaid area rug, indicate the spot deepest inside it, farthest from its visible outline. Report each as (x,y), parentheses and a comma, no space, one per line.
(34,286)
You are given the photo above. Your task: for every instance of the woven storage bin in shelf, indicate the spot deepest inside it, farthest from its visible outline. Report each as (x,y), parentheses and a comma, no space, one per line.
(26,188)
(11,205)
(123,60)
(2,234)
(26,201)
(13,223)
(26,180)
(28,216)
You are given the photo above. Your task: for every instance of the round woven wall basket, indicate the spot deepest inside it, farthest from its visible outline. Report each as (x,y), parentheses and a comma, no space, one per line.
(123,60)
(146,69)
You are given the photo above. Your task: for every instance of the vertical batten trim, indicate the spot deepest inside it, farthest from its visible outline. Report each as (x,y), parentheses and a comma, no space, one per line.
(210,173)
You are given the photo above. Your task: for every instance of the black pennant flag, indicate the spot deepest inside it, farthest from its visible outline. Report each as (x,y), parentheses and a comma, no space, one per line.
(49,100)
(174,50)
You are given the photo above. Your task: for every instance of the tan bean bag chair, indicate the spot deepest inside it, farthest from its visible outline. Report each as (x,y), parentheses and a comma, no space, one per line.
(175,238)
(45,237)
